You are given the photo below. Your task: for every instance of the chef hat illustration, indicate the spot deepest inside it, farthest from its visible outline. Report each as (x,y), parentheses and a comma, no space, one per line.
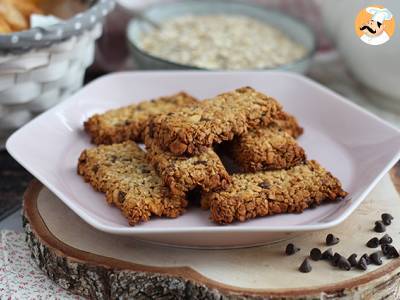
(379,14)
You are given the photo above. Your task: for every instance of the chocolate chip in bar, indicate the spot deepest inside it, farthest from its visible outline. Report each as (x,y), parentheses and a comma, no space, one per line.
(386,239)
(327,254)
(353,259)
(362,264)
(376,258)
(373,243)
(391,252)
(331,239)
(305,267)
(291,249)
(387,219)
(344,264)
(379,227)
(315,254)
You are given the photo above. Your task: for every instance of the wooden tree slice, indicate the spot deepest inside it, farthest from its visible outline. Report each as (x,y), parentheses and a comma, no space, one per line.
(103,266)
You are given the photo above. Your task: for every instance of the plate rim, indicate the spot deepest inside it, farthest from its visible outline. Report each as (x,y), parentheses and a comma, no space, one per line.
(134,230)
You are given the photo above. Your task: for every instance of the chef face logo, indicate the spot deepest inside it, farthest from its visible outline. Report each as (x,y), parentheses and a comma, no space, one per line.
(375,25)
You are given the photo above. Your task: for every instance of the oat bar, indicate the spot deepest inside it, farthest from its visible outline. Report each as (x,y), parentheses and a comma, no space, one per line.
(289,123)
(273,192)
(129,182)
(183,174)
(267,148)
(129,122)
(194,129)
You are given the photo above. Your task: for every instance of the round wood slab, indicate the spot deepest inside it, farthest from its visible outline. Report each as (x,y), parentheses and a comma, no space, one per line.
(102,266)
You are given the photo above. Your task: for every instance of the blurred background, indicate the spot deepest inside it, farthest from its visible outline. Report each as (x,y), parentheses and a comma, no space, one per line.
(49,49)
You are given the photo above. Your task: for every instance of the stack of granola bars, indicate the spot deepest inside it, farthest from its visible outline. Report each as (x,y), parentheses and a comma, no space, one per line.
(185,140)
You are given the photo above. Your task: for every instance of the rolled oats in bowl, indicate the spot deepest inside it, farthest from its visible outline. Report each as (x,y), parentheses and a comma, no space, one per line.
(221,41)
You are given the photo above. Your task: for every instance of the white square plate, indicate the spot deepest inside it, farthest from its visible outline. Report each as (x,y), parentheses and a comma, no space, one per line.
(354,145)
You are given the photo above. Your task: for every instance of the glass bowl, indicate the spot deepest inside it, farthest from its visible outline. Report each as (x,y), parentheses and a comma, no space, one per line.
(295,29)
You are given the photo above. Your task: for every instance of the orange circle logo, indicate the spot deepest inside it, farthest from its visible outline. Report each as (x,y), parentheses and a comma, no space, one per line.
(375,25)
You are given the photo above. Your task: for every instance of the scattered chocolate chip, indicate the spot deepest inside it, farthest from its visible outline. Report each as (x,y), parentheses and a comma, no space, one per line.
(387,219)
(335,259)
(264,185)
(204,119)
(331,240)
(386,239)
(352,260)
(344,264)
(367,259)
(373,243)
(291,249)
(379,226)
(362,264)
(200,162)
(385,249)
(305,267)
(376,258)
(113,158)
(327,254)
(391,252)
(315,254)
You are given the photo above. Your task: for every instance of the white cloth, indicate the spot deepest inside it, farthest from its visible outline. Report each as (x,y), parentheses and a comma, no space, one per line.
(20,278)
(375,40)
(379,14)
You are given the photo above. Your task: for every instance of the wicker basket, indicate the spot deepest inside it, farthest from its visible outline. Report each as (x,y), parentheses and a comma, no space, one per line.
(42,66)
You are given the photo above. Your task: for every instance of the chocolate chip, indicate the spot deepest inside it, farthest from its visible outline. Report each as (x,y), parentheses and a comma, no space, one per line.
(344,264)
(362,264)
(315,254)
(379,226)
(385,249)
(113,158)
(373,243)
(387,219)
(291,249)
(121,197)
(200,162)
(331,239)
(386,239)
(313,205)
(204,119)
(335,259)
(376,258)
(367,259)
(327,254)
(352,260)
(264,185)
(305,267)
(95,168)
(391,252)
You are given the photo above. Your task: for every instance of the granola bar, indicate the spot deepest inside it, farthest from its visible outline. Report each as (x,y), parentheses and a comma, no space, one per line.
(290,125)
(267,148)
(192,130)
(129,122)
(266,193)
(129,182)
(183,174)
